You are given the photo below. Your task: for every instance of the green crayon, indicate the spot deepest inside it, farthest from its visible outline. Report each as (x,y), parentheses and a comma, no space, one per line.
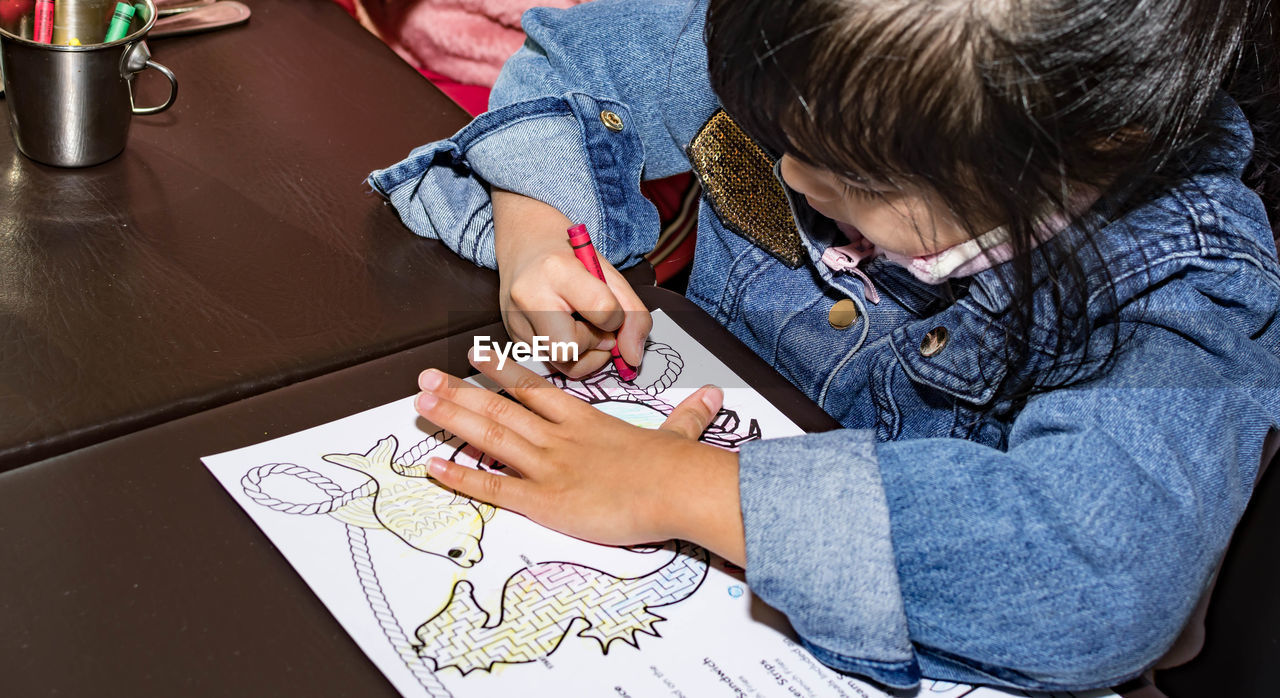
(119,22)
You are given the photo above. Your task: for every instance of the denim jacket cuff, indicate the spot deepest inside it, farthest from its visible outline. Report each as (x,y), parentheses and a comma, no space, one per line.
(848,610)
(559,150)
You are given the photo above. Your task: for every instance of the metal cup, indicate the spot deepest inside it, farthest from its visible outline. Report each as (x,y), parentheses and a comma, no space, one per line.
(71,106)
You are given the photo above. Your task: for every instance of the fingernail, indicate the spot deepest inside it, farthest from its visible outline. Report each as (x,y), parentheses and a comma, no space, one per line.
(712,397)
(436,467)
(607,343)
(426,401)
(431,379)
(627,373)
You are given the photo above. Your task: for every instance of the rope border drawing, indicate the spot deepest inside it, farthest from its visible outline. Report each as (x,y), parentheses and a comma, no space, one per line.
(358,545)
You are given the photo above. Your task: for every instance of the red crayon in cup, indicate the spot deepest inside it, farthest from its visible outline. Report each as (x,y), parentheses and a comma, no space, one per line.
(586,253)
(43,32)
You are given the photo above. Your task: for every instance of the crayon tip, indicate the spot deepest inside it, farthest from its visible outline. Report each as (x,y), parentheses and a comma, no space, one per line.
(625,372)
(74,42)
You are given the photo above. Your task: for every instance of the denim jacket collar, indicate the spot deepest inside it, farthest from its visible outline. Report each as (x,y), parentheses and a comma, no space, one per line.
(972,370)
(979,325)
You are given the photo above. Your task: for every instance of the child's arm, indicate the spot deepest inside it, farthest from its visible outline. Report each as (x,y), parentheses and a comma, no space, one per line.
(577,119)
(586,473)
(1067,561)
(543,284)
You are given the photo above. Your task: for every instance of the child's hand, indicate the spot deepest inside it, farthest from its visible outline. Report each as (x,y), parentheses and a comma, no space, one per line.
(584,472)
(543,284)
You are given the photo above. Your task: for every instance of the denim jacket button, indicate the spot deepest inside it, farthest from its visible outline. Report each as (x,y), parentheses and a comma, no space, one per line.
(843,314)
(934,341)
(611,121)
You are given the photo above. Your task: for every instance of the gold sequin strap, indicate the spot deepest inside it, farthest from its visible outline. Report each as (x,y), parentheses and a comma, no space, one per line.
(737,177)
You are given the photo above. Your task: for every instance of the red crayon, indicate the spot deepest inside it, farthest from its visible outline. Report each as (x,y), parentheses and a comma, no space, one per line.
(586,253)
(43,32)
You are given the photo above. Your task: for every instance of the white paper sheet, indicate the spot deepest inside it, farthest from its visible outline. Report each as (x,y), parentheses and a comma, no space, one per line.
(450,598)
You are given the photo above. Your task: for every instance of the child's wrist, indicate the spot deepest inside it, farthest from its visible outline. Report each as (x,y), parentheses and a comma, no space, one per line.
(703,505)
(522,225)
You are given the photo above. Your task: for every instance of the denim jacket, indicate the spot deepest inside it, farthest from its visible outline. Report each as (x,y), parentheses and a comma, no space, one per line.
(1060,543)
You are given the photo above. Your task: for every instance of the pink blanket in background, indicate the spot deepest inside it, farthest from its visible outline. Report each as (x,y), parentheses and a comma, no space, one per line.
(464,40)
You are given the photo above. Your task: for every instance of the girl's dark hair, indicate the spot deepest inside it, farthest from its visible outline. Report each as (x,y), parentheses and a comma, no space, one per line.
(1006,110)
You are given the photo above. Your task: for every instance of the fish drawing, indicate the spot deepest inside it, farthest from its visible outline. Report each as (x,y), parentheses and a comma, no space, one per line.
(417,509)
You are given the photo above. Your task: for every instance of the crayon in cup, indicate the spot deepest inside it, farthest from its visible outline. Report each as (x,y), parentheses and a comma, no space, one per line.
(43,32)
(120,21)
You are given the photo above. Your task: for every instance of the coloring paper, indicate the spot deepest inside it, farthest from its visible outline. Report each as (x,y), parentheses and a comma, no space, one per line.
(450,597)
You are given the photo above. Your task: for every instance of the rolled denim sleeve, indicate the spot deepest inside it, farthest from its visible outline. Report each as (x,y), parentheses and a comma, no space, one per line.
(542,149)
(575,120)
(819,549)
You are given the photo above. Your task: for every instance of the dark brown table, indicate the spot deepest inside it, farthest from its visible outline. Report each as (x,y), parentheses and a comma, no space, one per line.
(129,571)
(232,248)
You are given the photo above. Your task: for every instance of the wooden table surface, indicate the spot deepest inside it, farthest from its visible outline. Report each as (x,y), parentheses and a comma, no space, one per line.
(233,247)
(129,571)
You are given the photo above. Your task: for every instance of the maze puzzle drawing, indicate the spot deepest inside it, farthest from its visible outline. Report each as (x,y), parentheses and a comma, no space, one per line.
(540,603)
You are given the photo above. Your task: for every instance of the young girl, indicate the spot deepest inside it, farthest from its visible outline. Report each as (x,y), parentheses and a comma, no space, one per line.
(1006,244)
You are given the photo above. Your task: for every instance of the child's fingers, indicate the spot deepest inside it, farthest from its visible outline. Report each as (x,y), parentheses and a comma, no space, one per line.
(595,302)
(560,327)
(589,358)
(479,400)
(586,364)
(509,493)
(694,414)
(633,334)
(547,307)
(534,391)
(518,325)
(489,434)
(637,324)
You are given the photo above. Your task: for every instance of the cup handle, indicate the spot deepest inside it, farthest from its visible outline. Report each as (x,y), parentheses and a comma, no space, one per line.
(136,59)
(173,91)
